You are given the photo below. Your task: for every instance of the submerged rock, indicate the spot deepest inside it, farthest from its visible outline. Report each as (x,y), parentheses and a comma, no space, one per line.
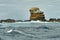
(43,27)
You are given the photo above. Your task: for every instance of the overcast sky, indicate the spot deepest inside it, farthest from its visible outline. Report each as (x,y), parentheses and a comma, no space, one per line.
(19,9)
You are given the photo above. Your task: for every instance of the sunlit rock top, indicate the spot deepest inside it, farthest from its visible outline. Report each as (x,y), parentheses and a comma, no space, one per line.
(34,10)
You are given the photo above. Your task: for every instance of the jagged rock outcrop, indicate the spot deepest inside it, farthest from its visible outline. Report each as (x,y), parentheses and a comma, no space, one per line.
(52,19)
(58,20)
(7,20)
(36,14)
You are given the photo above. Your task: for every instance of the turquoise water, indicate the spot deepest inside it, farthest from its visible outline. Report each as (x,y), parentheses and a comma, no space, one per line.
(29,31)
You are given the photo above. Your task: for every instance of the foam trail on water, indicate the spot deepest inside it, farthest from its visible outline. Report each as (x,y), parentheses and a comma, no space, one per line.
(20,32)
(10,31)
(23,33)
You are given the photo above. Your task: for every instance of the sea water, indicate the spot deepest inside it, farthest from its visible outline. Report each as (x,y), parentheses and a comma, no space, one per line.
(30,31)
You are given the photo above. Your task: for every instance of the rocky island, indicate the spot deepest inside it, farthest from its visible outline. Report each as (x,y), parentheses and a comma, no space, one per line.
(35,14)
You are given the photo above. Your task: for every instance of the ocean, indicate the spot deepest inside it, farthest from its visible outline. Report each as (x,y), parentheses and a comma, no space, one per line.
(30,31)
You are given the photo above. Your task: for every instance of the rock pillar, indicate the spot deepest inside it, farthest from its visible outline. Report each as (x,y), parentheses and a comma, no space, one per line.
(36,14)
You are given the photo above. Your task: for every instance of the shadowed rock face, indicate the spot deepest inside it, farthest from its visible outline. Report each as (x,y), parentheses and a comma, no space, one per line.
(36,14)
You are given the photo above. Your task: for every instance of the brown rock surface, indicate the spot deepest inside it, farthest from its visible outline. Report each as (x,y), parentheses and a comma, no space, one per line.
(36,14)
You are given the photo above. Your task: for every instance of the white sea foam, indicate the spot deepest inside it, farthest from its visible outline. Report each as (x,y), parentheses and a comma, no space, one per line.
(10,31)
(19,32)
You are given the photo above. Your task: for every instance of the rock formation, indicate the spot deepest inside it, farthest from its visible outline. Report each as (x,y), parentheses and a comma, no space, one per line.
(52,19)
(7,20)
(58,20)
(36,14)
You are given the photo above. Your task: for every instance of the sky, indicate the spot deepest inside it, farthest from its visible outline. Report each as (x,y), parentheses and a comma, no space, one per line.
(19,9)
